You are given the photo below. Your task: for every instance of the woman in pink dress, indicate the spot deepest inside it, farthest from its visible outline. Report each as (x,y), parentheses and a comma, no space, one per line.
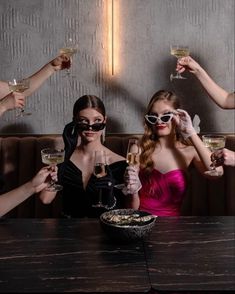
(168,147)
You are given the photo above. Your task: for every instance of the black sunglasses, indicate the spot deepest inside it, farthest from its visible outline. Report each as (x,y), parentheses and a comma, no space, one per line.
(94,127)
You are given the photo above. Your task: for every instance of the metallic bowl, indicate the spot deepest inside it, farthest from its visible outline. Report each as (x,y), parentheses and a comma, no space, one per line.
(127,231)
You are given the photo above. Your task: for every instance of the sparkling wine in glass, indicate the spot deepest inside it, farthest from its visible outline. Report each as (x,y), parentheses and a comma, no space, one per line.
(69,49)
(178,51)
(213,142)
(20,86)
(100,170)
(53,157)
(132,156)
(133,152)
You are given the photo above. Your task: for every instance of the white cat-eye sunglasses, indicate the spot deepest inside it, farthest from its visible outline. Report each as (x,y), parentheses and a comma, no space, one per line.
(162,118)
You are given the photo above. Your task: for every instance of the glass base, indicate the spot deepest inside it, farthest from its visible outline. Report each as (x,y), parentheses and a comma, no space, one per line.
(54,188)
(213,173)
(23,113)
(177,76)
(98,205)
(119,186)
(27,113)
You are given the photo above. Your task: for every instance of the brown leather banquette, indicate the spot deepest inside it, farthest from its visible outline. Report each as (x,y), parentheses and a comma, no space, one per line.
(20,160)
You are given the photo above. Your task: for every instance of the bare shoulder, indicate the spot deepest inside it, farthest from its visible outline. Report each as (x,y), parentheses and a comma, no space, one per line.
(188,150)
(113,157)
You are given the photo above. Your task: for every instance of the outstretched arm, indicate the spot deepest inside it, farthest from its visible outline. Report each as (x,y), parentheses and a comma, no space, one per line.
(202,158)
(220,96)
(37,79)
(11,199)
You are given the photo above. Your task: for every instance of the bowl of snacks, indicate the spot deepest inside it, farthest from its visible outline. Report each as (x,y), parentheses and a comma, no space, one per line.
(127,224)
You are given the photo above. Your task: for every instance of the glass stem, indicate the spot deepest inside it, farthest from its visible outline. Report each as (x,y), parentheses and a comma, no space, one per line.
(52,182)
(100,197)
(213,166)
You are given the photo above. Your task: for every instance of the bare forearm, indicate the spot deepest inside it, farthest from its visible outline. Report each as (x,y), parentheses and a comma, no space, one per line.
(133,201)
(11,199)
(47,197)
(2,109)
(203,153)
(37,79)
(4,89)
(221,97)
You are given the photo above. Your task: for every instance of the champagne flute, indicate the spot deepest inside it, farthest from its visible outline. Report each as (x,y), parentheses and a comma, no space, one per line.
(53,157)
(133,152)
(214,142)
(69,49)
(19,86)
(100,170)
(178,51)
(132,156)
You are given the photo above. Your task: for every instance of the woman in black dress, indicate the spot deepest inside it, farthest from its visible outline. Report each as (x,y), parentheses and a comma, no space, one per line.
(81,187)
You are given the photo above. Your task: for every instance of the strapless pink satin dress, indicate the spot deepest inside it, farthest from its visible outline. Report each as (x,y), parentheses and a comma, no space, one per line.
(163,194)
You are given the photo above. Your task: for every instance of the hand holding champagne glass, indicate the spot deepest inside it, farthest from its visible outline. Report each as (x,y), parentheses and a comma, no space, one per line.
(52,157)
(69,49)
(213,142)
(132,156)
(100,170)
(178,51)
(19,86)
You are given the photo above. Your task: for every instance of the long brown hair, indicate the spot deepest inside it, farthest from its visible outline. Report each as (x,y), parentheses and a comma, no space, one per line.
(149,139)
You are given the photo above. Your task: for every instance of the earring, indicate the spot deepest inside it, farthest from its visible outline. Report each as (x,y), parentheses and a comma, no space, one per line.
(73,130)
(103,136)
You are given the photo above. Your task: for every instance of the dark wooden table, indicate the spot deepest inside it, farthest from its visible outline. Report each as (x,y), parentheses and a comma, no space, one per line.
(192,253)
(74,255)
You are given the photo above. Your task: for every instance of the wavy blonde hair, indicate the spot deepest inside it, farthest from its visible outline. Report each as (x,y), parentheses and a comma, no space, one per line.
(149,139)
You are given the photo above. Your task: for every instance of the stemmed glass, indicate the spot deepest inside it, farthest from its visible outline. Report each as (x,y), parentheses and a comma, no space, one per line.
(53,157)
(100,170)
(133,152)
(178,51)
(69,49)
(214,142)
(132,156)
(19,86)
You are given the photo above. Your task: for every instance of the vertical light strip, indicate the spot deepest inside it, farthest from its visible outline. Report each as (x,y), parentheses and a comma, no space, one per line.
(112,35)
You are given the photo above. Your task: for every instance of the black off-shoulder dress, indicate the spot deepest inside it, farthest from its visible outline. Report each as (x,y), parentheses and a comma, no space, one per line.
(77,201)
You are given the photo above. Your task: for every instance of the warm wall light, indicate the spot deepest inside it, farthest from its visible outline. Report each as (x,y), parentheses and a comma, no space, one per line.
(113,35)
(112,42)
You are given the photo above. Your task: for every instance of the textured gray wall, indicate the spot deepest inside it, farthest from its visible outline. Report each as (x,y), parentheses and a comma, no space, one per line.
(32,31)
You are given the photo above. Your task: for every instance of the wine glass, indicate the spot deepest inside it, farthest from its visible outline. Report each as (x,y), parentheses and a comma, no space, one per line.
(213,142)
(19,86)
(53,157)
(178,51)
(69,49)
(132,156)
(100,170)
